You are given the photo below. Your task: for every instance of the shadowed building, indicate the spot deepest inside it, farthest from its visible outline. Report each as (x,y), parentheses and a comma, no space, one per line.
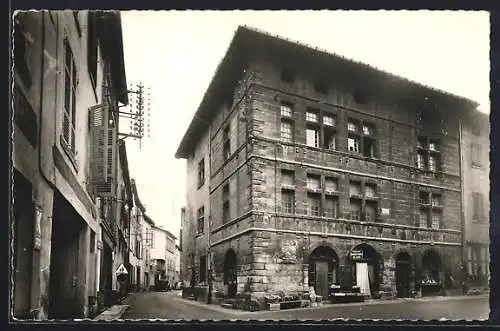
(63,67)
(305,168)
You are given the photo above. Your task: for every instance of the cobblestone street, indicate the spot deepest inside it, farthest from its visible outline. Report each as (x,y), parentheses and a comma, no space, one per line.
(170,305)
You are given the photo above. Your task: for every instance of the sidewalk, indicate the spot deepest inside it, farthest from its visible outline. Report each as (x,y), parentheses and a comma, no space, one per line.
(113,313)
(327,304)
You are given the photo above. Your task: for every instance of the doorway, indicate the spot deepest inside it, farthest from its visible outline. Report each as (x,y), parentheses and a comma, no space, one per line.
(403,269)
(366,267)
(230,275)
(323,270)
(24,222)
(65,273)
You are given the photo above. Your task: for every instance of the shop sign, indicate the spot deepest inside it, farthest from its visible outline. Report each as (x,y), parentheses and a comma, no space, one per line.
(356,254)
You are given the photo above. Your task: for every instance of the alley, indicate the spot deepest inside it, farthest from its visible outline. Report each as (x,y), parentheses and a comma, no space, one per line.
(170,305)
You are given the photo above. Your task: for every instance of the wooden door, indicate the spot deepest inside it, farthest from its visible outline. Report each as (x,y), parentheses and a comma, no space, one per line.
(321,281)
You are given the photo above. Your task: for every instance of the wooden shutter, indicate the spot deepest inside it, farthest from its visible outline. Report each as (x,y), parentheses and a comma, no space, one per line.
(98,133)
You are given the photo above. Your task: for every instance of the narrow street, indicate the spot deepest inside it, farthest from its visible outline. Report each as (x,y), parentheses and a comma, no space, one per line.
(163,305)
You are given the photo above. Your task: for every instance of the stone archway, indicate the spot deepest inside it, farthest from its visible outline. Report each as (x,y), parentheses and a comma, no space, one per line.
(403,271)
(230,274)
(365,261)
(323,270)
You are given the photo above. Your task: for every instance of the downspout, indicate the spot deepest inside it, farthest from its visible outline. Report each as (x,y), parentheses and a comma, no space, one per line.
(40,168)
(209,237)
(462,193)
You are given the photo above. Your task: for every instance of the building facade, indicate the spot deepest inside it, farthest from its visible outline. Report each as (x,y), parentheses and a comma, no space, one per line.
(315,170)
(62,67)
(476,184)
(163,256)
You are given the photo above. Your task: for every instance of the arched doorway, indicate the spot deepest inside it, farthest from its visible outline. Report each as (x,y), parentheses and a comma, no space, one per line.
(323,270)
(403,269)
(365,262)
(431,270)
(230,279)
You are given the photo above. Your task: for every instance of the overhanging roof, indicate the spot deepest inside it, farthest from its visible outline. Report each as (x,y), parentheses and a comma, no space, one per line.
(110,27)
(247,40)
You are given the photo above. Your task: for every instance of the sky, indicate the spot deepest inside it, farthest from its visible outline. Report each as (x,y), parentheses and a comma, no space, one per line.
(175,54)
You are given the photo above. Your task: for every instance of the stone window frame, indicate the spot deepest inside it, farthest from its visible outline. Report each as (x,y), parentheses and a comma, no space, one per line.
(427,149)
(430,209)
(358,138)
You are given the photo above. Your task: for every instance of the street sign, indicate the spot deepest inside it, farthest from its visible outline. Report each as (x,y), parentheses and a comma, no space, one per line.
(356,254)
(121,270)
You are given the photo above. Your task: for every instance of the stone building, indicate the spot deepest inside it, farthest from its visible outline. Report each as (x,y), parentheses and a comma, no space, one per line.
(305,168)
(64,68)
(476,184)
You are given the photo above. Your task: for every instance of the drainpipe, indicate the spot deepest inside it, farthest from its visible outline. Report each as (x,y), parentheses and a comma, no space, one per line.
(40,168)
(462,193)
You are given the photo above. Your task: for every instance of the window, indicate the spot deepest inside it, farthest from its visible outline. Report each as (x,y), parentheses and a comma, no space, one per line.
(201,172)
(424,198)
(476,151)
(433,145)
(355,209)
(312,137)
(201,220)
(70,82)
(331,206)
(313,204)
(227,143)
(330,184)
(286,109)
(428,155)
(352,127)
(436,220)
(286,131)
(287,177)
(370,190)
(370,211)
(355,188)
(436,200)
(329,120)
(353,144)
(313,182)
(312,116)
(225,206)
(477,206)
(203,268)
(423,218)
(329,140)
(421,160)
(432,163)
(288,201)
(367,130)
